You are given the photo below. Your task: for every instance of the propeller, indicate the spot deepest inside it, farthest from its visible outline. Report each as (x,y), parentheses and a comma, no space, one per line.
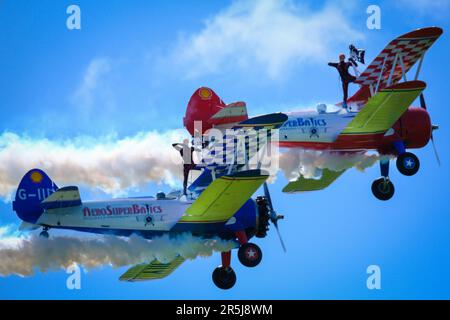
(423,105)
(435,127)
(274,217)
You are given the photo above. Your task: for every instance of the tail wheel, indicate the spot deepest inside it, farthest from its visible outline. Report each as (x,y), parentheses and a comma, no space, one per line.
(383,189)
(224,277)
(408,163)
(44,234)
(250,255)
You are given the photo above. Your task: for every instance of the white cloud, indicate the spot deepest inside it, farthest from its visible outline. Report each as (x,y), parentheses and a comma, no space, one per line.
(269,35)
(93,84)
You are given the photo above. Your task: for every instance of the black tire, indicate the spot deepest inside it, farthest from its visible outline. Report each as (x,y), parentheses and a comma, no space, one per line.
(383,190)
(250,255)
(44,234)
(408,164)
(224,277)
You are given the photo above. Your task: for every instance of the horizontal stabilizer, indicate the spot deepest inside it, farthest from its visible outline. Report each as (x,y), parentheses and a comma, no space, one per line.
(151,271)
(62,198)
(302,184)
(231,113)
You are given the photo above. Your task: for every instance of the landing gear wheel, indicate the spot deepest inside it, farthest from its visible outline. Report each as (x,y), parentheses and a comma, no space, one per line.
(408,163)
(250,255)
(44,234)
(224,277)
(383,189)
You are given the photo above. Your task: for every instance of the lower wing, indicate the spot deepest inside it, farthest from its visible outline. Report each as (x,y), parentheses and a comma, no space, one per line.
(302,184)
(151,271)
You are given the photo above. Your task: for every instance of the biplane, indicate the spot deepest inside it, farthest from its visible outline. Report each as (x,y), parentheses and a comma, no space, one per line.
(379,117)
(222,207)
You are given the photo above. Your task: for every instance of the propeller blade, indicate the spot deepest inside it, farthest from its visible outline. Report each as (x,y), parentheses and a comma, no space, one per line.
(279,235)
(267,195)
(423,105)
(435,151)
(273,215)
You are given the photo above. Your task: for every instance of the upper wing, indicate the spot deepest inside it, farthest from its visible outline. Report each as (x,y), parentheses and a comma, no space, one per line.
(224,197)
(151,271)
(62,198)
(410,47)
(385,108)
(266,121)
(303,184)
(222,151)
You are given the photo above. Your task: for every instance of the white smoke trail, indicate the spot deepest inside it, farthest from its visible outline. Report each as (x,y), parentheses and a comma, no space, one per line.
(296,162)
(117,165)
(24,255)
(112,165)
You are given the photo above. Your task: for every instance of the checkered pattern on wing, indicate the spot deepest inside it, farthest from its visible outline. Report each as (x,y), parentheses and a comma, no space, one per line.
(223,153)
(410,49)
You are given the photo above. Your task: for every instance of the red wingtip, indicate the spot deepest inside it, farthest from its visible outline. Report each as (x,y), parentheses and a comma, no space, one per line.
(415,84)
(428,32)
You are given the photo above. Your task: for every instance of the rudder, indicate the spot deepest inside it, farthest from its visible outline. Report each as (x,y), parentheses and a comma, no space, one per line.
(34,187)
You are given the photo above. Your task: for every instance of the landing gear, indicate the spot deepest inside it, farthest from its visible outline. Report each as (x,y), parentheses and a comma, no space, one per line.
(44,233)
(224,276)
(382,188)
(408,163)
(249,254)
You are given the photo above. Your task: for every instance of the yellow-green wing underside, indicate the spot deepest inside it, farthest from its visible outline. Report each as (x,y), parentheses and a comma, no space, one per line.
(302,184)
(151,271)
(224,196)
(385,108)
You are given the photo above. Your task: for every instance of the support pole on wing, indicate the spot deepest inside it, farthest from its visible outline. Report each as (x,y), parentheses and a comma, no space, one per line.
(419,67)
(391,74)
(379,77)
(402,65)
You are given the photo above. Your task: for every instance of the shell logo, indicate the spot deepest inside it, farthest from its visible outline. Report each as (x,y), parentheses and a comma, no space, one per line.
(205,93)
(36,177)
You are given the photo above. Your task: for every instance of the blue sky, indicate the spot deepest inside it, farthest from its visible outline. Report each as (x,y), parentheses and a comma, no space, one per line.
(132,68)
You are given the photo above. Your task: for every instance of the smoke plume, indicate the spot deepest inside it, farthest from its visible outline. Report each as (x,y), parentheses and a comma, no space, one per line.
(296,162)
(116,166)
(109,164)
(24,255)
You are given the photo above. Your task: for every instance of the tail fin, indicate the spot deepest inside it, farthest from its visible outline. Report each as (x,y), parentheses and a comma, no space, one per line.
(34,187)
(206,106)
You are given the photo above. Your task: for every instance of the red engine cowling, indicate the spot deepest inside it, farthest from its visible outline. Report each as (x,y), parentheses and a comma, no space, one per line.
(206,106)
(414,127)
